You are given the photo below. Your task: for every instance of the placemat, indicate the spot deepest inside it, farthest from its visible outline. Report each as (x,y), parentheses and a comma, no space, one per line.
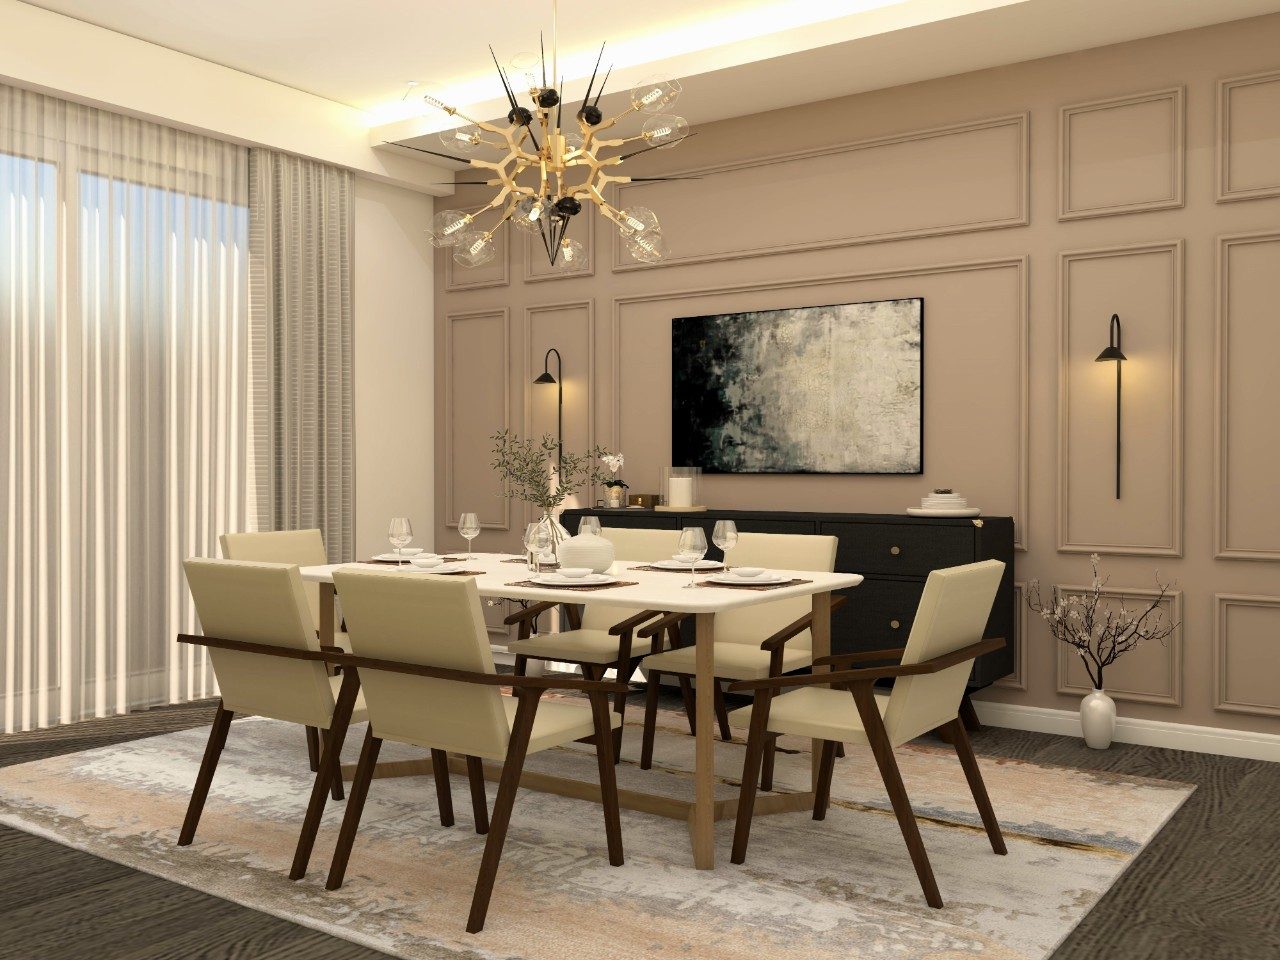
(584,587)
(754,586)
(681,572)
(548,564)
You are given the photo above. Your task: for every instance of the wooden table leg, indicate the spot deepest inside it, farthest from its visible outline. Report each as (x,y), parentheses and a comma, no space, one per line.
(821,633)
(703,822)
(326,631)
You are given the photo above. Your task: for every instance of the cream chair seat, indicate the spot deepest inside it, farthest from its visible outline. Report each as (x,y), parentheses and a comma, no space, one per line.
(817,713)
(733,661)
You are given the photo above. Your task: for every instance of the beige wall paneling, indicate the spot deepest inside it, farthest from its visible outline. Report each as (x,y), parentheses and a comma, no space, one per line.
(1247,396)
(1143,283)
(1122,155)
(495,273)
(1249,137)
(1018,679)
(570,328)
(1246,654)
(537,266)
(976,332)
(1150,674)
(927,183)
(477,400)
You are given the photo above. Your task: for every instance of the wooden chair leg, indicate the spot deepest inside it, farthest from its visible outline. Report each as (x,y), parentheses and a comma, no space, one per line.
(968,715)
(839,751)
(882,749)
(625,671)
(522,665)
(212,751)
(444,795)
(766,768)
(355,808)
(964,750)
(330,768)
(313,748)
(335,787)
(756,736)
(650,719)
(826,765)
(690,704)
(508,784)
(722,713)
(608,781)
(479,802)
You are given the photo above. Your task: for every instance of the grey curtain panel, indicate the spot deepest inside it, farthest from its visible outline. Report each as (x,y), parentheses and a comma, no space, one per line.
(123,388)
(300,235)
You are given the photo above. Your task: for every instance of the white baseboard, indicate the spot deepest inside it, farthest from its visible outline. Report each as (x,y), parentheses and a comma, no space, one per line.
(1150,733)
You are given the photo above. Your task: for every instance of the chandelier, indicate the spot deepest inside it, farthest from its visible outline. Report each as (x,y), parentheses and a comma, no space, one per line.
(546,175)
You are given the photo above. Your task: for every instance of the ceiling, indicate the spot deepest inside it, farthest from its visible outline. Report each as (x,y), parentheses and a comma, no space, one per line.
(743,56)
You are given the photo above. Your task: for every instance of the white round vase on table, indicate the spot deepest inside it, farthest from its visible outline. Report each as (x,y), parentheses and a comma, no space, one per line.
(587,550)
(1098,719)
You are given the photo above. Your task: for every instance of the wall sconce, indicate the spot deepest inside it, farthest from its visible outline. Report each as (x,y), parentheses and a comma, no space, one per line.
(1113,352)
(558,380)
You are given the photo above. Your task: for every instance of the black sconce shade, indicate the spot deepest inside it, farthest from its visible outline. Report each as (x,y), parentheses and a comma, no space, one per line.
(1113,351)
(546,377)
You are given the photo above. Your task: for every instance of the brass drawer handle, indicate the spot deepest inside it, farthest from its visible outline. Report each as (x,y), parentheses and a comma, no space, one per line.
(894,624)
(895,550)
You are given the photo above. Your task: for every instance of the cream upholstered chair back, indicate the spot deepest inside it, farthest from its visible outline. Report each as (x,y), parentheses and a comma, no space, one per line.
(630,546)
(432,621)
(261,603)
(776,551)
(303,547)
(953,613)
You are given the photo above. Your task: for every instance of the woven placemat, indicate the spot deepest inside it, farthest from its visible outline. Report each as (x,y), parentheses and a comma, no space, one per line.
(584,587)
(546,564)
(684,572)
(754,586)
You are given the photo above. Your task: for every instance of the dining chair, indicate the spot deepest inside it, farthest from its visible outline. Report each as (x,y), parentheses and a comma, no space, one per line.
(601,636)
(306,549)
(765,640)
(423,654)
(845,707)
(268,663)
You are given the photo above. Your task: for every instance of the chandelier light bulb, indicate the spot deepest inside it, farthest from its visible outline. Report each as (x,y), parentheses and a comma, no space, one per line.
(462,139)
(447,226)
(638,220)
(526,69)
(649,247)
(654,94)
(473,249)
(665,130)
(572,253)
(528,210)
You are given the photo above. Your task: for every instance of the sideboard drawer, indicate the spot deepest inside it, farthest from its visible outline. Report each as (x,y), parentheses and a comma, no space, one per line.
(903,549)
(877,616)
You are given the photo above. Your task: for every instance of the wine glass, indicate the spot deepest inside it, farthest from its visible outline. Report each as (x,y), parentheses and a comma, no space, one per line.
(536,539)
(400,533)
(469,528)
(589,525)
(691,549)
(725,536)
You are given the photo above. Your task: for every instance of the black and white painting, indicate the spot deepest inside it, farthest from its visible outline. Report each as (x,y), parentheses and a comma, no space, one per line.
(835,389)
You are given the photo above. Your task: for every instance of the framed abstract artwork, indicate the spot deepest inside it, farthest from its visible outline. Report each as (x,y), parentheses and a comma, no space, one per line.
(833,389)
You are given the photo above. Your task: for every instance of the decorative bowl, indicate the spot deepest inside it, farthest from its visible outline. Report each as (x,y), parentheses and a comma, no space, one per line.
(748,572)
(426,563)
(574,573)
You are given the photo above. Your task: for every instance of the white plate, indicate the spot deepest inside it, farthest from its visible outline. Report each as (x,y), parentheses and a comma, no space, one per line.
(393,558)
(555,580)
(676,565)
(942,512)
(764,578)
(443,568)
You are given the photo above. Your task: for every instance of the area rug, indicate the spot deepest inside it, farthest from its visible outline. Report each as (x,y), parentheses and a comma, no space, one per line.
(843,888)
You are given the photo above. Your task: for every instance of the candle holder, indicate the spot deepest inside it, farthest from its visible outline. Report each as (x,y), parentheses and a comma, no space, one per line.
(681,490)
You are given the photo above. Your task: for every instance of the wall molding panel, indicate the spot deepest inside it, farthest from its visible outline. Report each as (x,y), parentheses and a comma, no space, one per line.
(536,265)
(1126,280)
(1073,680)
(1261,670)
(1021,623)
(1248,147)
(499,350)
(1098,173)
(1251,463)
(1021,264)
(990,157)
(496,273)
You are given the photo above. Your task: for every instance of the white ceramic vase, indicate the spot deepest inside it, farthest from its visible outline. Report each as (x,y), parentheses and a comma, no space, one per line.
(587,550)
(1098,719)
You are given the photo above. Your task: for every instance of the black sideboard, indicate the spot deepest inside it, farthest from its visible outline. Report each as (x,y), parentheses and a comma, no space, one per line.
(893,552)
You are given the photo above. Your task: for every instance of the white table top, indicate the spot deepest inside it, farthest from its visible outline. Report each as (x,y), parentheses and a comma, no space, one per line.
(653,590)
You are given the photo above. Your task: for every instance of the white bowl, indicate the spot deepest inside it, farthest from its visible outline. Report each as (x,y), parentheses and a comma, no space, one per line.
(574,573)
(410,551)
(748,572)
(426,563)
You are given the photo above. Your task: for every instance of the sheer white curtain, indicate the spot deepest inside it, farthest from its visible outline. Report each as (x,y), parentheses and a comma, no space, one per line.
(123,356)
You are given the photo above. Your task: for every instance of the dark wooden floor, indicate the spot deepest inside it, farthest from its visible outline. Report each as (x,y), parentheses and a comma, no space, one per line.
(1208,887)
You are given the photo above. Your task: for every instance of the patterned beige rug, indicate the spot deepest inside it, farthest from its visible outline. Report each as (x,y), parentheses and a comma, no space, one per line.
(819,891)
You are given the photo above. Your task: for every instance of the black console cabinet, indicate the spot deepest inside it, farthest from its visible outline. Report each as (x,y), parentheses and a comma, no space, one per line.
(894,553)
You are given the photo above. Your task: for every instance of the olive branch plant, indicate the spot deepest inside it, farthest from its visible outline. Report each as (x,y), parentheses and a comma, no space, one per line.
(1100,632)
(529,470)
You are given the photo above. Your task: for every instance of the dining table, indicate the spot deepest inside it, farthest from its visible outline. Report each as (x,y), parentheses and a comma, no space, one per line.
(505,576)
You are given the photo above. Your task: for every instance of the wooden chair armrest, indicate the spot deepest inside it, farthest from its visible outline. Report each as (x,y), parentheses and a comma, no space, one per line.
(528,613)
(323,655)
(657,626)
(861,657)
(632,622)
(871,674)
(792,630)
